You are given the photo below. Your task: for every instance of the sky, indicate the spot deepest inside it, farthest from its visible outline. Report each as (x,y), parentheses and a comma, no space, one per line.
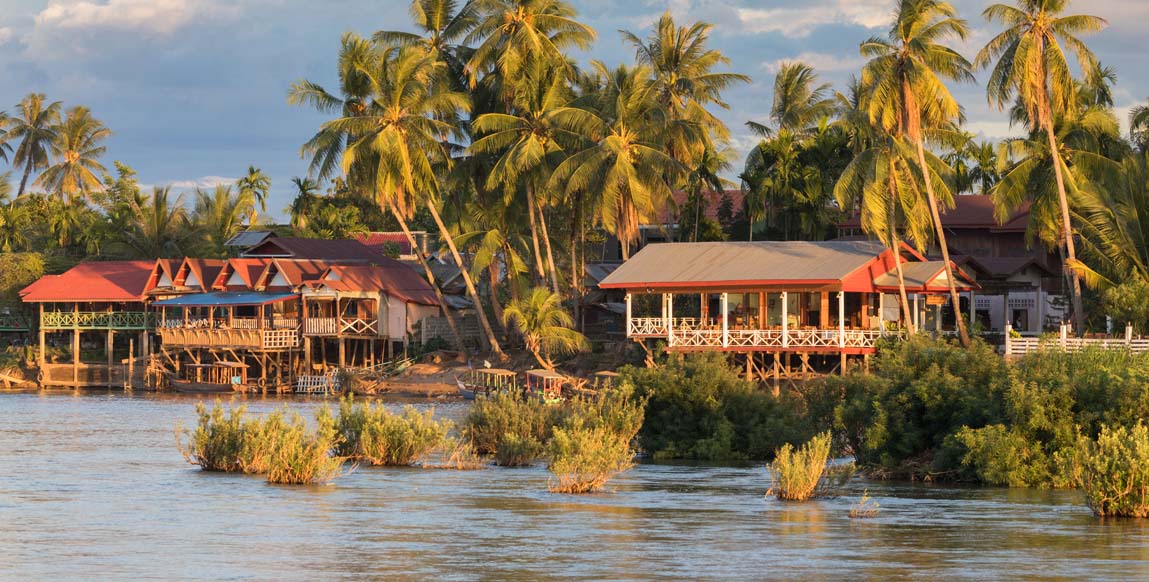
(195,90)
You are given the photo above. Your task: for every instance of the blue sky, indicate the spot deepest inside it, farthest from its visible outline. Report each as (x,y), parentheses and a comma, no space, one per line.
(195,89)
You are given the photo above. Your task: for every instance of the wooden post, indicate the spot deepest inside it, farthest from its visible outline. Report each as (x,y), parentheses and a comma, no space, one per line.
(669,317)
(704,309)
(1128,334)
(1008,339)
(342,352)
(972,310)
(43,339)
(76,345)
(762,319)
(109,346)
(881,314)
(725,320)
(785,320)
(628,310)
(824,315)
(864,312)
(842,319)
(1064,335)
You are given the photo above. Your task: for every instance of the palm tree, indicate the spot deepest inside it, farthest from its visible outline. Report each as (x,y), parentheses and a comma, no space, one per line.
(398,144)
(444,25)
(545,326)
(13,218)
(1139,127)
(800,102)
(219,215)
(160,228)
(1115,227)
(529,143)
(909,98)
(76,149)
(305,202)
(35,129)
(705,175)
(1031,65)
(627,164)
(513,33)
(5,148)
(255,186)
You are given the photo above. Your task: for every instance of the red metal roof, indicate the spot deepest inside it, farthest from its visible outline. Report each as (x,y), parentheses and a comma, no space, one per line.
(392,278)
(377,240)
(314,248)
(95,281)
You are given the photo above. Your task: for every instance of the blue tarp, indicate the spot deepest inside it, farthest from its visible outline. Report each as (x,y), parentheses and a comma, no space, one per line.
(228,298)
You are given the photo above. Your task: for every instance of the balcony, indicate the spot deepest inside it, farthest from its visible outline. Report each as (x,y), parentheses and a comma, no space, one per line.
(235,338)
(690,333)
(115,320)
(334,326)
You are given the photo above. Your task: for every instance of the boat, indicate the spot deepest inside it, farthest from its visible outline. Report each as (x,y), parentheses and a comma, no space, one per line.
(214,378)
(546,385)
(485,381)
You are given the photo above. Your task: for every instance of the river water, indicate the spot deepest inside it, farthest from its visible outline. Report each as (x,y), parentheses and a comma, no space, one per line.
(93,487)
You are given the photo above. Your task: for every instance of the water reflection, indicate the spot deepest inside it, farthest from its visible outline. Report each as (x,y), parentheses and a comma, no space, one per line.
(91,484)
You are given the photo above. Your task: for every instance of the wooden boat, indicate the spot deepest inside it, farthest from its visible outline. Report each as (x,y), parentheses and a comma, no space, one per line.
(545,385)
(213,378)
(485,381)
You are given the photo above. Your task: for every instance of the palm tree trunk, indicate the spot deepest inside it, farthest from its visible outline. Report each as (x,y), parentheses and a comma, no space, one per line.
(493,284)
(963,333)
(492,341)
(540,274)
(1067,232)
(576,273)
(446,311)
(896,247)
(550,253)
(24,178)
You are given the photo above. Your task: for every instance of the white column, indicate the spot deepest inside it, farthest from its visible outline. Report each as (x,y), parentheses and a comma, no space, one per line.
(785,318)
(669,316)
(629,326)
(842,319)
(665,300)
(881,314)
(917,313)
(725,320)
(1128,334)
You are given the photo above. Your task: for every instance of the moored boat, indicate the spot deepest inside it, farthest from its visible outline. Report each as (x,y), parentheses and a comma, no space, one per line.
(214,378)
(546,385)
(486,381)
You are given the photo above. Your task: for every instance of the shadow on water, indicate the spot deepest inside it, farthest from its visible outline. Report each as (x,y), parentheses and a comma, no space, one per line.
(92,485)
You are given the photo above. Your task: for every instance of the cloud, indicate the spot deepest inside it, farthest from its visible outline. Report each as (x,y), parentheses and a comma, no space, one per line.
(822,62)
(5,34)
(203,182)
(800,20)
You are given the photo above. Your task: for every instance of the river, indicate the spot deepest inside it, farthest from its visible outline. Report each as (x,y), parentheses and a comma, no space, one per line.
(92,487)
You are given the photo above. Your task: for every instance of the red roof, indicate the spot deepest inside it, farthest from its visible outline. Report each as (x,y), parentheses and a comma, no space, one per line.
(970,211)
(713,202)
(248,270)
(314,248)
(392,278)
(378,240)
(295,271)
(96,281)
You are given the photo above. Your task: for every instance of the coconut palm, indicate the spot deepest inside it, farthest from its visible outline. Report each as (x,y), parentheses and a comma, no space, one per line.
(325,148)
(510,34)
(255,185)
(160,228)
(398,144)
(13,218)
(305,202)
(1139,127)
(1114,228)
(800,102)
(219,214)
(908,97)
(1031,66)
(34,130)
(5,147)
(76,149)
(444,25)
(627,164)
(545,326)
(704,176)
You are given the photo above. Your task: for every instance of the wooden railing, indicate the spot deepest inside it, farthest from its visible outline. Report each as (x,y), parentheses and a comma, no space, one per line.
(774,338)
(253,323)
(1065,342)
(256,339)
(15,322)
(97,320)
(340,326)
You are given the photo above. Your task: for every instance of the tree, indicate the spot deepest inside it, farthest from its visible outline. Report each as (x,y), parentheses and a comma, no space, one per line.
(34,128)
(159,228)
(909,98)
(305,202)
(76,148)
(1031,65)
(704,176)
(219,214)
(800,102)
(255,186)
(513,33)
(1139,127)
(398,143)
(545,326)
(444,26)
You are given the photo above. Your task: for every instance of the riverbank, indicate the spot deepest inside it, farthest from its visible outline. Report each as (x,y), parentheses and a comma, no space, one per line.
(657,520)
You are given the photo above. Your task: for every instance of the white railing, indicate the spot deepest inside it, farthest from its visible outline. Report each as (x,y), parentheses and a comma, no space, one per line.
(774,338)
(646,327)
(1065,342)
(321,326)
(340,325)
(324,384)
(695,338)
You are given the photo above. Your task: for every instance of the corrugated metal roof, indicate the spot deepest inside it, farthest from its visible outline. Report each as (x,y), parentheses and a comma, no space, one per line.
(732,263)
(94,281)
(918,275)
(314,248)
(248,238)
(226,298)
(392,278)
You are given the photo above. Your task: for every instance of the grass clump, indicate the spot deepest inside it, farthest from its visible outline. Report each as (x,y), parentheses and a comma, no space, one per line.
(866,507)
(302,456)
(218,440)
(798,472)
(594,442)
(373,434)
(518,451)
(1113,471)
(491,419)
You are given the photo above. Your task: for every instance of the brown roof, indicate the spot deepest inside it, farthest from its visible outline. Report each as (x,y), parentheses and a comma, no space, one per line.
(1006,266)
(970,211)
(96,281)
(295,271)
(392,278)
(750,263)
(713,202)
(314,248)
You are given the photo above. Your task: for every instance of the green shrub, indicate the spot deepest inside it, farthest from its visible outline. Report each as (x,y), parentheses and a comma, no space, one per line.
(1113,471)
(518,451)
(700,408)
(372,433)
(1003,456)
(218,442)
(797,472)
(491,419)
(584,456)
(302,456)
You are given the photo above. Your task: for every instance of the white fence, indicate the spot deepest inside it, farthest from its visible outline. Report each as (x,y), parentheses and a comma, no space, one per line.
(1015,346)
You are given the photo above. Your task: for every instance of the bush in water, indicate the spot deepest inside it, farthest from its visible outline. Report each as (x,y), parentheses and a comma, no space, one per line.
(518,451)
(594,442)
(1113,471)
(302,456)
(227,440)
(491,419)
(797,472)
(372,433)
